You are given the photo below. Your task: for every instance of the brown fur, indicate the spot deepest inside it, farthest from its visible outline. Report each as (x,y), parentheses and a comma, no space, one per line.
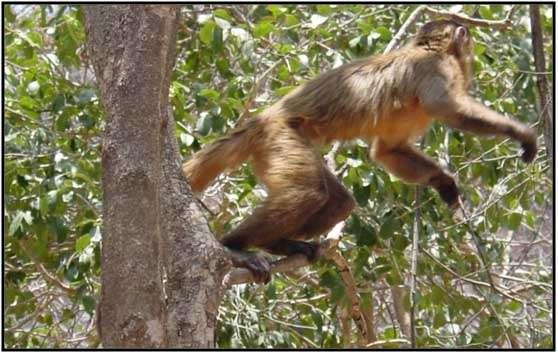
(388,99)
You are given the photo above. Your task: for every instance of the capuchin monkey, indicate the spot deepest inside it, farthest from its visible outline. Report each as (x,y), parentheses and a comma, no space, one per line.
(388,99)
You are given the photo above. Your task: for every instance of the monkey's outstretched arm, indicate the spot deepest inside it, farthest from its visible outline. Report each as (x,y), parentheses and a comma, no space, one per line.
(465,113)
(414,167)
(473,117)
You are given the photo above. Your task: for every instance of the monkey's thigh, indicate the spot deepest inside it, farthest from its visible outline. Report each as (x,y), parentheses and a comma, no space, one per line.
(339,205)
(291,169)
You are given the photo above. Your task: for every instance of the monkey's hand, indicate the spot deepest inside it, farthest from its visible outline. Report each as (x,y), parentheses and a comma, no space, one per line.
(256,263)
(529,145)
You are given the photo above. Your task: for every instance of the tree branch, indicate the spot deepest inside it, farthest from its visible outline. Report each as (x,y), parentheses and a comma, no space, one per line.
(545,98)
(464,19)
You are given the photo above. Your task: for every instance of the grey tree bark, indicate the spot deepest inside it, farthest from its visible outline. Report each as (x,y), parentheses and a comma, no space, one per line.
(545,96)
(161,267)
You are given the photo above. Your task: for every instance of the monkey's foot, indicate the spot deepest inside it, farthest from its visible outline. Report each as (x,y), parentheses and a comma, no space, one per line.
(256,263)
(290,247)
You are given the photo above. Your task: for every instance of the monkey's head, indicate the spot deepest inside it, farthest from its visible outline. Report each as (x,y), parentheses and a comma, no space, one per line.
(446,36)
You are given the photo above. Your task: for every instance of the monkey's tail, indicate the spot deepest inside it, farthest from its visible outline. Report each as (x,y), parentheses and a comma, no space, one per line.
(226,152)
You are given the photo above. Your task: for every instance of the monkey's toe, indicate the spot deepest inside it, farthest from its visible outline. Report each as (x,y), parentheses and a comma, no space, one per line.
(259,266)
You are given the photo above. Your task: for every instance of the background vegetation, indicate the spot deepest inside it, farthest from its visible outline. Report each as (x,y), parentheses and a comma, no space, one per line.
(233,61)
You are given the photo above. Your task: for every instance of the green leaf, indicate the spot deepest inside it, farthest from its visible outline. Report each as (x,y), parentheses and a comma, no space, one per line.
(58,102)
(204,124)
(210,94)
(276,10)
(88,303)
(83,242)
(291,20)
(217,43)
(271,291)
(17,221)
(329,279)
(263,28)
(486,12)
(355,41)
(28,103)
(388,227)
(8,13)
(223,13)
(282,91)
(514,220)
(437,295)
(400,242)
(206,32)
(362,194)
(324,9)
(43,205)
(86,96)
(62,123)
(385,33)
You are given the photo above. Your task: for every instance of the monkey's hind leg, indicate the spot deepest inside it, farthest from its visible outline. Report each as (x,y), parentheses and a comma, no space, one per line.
(292,171)
(267,227)
(339,205)
(414,167)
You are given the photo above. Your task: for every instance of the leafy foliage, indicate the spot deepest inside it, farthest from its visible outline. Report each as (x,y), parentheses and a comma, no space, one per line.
(232,61)
(51,179)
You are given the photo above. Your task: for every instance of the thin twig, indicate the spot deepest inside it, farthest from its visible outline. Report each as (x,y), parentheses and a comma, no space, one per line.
(413,17)
(52,279)
(352,293)
(380,343)
(254,92)
(414,257)
(503,291)
(477,241)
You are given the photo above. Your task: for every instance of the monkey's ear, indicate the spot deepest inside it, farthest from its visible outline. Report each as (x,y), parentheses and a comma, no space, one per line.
(460,35)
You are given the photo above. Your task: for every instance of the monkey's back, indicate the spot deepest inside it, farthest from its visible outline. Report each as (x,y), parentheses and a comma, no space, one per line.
(356,99)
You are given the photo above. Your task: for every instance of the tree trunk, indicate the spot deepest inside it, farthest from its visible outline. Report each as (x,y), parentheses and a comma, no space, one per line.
(545,97)
(161,267)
